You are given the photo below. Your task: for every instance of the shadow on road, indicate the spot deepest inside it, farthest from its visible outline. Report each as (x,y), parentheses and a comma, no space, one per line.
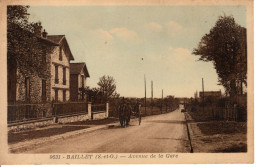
(118,126)
(165,138)
(168,121)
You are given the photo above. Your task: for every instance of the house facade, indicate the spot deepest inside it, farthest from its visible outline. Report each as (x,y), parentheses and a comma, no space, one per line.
(60,69)
(78,77)
(34,85)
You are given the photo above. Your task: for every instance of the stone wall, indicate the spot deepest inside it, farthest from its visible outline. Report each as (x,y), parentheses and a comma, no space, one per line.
(99,115)
(75,118)
(41,106)
(30,125)
(23,72)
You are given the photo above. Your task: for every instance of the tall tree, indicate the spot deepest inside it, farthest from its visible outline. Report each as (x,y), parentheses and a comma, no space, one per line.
(226,47)
(107,86)
(23,43)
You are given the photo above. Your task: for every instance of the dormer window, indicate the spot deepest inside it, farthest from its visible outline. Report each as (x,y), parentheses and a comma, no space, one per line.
(60,55)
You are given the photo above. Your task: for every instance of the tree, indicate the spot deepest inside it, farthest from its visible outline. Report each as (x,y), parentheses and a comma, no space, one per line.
(94,94)
(23,43)
(226,47)
(107,86)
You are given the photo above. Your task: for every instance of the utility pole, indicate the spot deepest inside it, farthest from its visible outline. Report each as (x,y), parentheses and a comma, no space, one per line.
(203,94)
(162,102)
(144,95)
(152,97)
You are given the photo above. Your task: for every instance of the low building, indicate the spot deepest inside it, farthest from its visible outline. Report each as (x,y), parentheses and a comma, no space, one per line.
(210,94)
(78,77)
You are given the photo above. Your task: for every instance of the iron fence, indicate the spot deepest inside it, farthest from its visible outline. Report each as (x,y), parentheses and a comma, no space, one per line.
(26,112)
(98,107)
(69,108)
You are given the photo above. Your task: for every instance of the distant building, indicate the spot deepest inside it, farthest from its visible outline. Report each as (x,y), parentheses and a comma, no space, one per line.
(78,76)
(210,94)
(182,99)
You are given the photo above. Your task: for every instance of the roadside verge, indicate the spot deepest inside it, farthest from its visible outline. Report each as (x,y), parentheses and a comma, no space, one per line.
(217,136)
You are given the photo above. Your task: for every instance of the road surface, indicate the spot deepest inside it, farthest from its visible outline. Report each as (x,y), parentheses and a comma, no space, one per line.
(158,133)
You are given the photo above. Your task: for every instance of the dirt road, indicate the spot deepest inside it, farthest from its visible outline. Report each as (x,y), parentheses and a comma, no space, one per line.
(159,133)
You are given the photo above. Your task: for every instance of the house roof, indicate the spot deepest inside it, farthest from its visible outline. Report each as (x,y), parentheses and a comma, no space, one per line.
(48,41)
(55,38)
(76,68)
(61,40)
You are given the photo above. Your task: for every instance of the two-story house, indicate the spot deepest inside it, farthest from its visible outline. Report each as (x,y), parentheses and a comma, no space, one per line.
(60,68)
(78,78)
(33,86)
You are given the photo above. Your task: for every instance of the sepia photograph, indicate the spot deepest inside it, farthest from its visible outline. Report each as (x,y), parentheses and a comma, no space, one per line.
(147,82)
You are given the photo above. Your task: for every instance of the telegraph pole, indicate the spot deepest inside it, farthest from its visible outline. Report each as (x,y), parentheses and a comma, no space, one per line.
(203,94)
(151,97)
(162,102)
(144,95)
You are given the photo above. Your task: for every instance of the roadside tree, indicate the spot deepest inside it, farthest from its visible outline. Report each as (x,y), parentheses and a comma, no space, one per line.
(107,86)
(226,47)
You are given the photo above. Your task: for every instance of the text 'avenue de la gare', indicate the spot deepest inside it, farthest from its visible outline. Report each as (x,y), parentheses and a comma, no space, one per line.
(112,156)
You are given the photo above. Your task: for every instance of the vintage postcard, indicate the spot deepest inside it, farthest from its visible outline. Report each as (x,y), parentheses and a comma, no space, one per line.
(127,82)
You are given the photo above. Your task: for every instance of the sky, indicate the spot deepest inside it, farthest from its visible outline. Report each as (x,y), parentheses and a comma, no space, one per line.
(128,42)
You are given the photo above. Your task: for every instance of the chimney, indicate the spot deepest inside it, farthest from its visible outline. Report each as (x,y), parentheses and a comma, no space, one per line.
(38,30)
(44,34)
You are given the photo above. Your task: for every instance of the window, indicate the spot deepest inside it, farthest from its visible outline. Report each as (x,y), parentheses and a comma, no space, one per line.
(64,75)
(56,95)
(27,89)
(60,55)
(43,90)
(64,95)
(56,74)
(82,81)
(82,85)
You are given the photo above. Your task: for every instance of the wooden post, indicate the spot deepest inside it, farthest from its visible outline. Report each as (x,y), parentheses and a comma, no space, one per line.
(89,110)
(107,109)
(144,95)
(86,105)
(203,94)
(162,102)
(151,97)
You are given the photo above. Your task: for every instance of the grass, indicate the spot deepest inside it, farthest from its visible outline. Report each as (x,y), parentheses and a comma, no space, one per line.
(205,115)
(222,127)
(211,135)
(241,147)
